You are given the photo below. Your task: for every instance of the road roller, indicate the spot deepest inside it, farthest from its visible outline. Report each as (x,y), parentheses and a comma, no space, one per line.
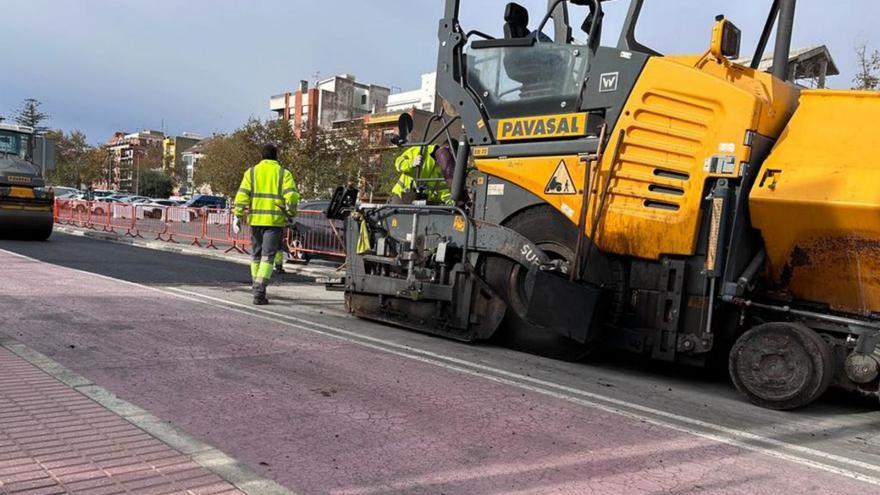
(26,204)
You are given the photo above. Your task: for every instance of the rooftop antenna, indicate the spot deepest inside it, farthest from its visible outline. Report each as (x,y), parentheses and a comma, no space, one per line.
(317,76)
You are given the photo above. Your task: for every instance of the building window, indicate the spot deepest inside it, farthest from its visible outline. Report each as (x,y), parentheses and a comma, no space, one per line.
(363,99)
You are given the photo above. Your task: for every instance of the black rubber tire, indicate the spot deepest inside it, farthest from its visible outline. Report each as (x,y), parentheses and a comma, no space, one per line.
(36,230)
(781,365)
(556,235)
(42,234)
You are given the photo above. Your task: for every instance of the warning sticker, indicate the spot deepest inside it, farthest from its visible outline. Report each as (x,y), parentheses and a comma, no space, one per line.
(458,223)
(561,181)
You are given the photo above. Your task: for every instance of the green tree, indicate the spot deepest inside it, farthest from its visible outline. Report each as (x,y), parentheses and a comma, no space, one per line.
(226,158)
(320,161)
(76,162)
(29,114)
(326,159)
(155,184)
(385,175)
(868,74)
(152,157)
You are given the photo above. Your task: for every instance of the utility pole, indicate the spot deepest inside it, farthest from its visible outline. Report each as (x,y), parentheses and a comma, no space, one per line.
(109,169)
(137,172)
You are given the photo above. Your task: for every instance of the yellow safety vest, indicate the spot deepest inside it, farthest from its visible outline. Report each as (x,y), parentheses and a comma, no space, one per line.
(438,190)
(267,194)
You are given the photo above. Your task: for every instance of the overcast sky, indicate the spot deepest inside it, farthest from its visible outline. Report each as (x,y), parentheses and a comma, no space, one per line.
(205,66)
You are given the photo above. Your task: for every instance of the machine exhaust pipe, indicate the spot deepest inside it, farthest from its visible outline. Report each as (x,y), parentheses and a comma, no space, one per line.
(783,38)
(460,176)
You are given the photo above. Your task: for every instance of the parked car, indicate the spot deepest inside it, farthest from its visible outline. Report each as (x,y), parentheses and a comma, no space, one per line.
(155,208)
(198,205)
(65,192)
(93,195)
(114,198)
(205,201)
(102,193)
(102,205)
(166,202)
(99,207)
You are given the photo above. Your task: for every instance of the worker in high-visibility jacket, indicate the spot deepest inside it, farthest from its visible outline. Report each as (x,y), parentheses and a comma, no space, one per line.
(418,162)
(268,197)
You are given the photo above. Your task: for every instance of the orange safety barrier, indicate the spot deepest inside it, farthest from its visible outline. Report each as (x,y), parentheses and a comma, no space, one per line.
(310,233)
(99,214)
(72,212)
(241,242)
(122,216)
(186,223)
(65,212)
(150,219)
(218,227)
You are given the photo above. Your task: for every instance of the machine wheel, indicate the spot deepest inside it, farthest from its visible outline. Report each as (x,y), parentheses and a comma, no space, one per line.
(42,234)
(554,235)
(781,365)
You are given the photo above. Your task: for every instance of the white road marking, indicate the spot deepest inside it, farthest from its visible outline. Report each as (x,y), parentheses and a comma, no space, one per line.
(722,434)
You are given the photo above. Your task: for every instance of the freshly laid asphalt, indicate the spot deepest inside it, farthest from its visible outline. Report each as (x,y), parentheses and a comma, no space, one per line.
(324,403)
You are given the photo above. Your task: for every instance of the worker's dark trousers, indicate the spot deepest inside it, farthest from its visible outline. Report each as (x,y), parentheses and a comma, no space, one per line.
(266,242)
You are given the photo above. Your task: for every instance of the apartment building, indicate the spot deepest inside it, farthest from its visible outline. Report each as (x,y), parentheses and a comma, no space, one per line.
(330,101)
(173,149)
(190,160)
(424,98)
(127,154)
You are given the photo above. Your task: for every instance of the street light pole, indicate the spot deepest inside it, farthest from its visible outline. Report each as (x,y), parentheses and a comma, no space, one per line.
(137,173)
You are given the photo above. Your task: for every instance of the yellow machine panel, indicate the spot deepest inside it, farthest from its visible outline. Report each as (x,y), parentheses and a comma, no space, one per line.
(778,98)
(817,202)
(682,124)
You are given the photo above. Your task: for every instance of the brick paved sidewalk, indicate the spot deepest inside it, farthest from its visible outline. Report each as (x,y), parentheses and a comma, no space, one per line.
(55,440)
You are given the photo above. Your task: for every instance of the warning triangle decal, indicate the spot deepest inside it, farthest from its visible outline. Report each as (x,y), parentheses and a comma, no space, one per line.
(561,181)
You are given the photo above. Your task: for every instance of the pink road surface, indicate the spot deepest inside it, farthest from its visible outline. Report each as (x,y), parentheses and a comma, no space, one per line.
(322,415)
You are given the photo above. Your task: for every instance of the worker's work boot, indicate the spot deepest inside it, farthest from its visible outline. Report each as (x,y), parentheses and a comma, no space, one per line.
(279,270)
(264,273)
(260,298)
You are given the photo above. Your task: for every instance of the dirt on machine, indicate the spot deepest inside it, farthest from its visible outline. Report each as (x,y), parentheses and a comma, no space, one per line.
(26,205)
(686,208)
